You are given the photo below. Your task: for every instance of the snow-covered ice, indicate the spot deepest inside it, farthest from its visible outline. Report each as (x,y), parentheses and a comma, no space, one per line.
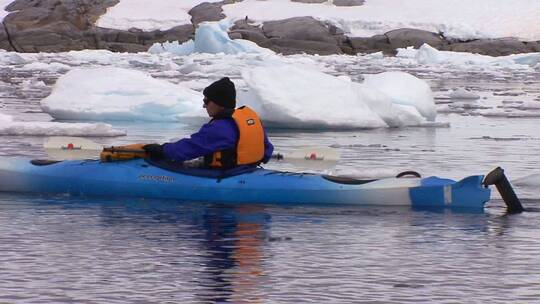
(212,38)
(461,93)
(288,96)
(48,128)
(148,16)
(430,56)
(405,90)
(454,18)
(109,93)
(284,95)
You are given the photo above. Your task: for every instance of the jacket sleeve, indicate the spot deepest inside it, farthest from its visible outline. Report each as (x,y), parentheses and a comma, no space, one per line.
(268,149)
(219,135)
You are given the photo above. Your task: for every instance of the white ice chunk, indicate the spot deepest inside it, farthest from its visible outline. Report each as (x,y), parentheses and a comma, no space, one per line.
(47,128)
(461,93)
(210,37)
(119,94)
(11,58)
(406,90)
(54,66)
(294,97)
(430,56)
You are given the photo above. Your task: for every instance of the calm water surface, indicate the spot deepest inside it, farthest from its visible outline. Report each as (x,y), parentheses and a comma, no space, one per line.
(83,250)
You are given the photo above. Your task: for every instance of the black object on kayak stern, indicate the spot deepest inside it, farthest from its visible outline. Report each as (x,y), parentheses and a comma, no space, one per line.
(496,177)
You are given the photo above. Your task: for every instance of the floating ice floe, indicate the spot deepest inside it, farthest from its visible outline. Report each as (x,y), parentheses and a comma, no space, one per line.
(108,93)
(54,66)
(285,95)
(47,128)
(293,97)
(210,37)
(431,56)
(461,93)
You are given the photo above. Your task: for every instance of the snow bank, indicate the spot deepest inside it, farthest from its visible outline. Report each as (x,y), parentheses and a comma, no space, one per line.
(210,37)
(293,97)
(454,18)
(119,94)
(430,56)
(10,127)
(148,16)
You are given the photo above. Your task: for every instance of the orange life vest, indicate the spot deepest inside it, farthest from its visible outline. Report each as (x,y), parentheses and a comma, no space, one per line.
(250,146)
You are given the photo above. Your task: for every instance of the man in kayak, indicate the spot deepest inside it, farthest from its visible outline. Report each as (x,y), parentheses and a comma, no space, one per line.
(232,138)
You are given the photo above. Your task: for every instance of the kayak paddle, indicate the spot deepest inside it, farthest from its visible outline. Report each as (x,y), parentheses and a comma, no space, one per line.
(66,148)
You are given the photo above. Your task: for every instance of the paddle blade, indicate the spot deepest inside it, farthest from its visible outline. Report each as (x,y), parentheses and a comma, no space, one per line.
(63,148)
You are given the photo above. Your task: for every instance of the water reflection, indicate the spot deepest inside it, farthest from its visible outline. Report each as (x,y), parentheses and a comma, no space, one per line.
(159,251)
(233,242)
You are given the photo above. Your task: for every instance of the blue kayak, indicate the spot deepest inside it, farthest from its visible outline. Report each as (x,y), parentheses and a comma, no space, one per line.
(142,179)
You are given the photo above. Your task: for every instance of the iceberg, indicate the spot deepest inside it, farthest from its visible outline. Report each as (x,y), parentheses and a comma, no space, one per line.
(108,93)
(212,38)
(294,97)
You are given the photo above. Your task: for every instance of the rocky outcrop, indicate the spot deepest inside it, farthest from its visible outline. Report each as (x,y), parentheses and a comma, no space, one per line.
(401,38)
(206,12)
(55,26)
(5,40)
(64,25)
(348,2)
(292,36)
(494,47)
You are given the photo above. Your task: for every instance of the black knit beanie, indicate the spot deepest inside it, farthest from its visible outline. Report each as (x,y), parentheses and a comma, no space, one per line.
(222,92)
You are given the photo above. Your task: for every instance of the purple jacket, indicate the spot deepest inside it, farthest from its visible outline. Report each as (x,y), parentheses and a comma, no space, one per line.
(219,135)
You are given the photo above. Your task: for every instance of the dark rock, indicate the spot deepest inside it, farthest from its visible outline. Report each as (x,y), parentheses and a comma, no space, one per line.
(255,36)
(298,28)
(206,12)
(290,46)
(249,32)
(492,47)
(348,2)
(403,38)
(181,33)
(534,46)
(5,43)
(56,26)
(52,25)
(372,44)
(235,35)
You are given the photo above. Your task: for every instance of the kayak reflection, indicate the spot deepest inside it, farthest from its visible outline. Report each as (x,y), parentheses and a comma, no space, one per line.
(233,243)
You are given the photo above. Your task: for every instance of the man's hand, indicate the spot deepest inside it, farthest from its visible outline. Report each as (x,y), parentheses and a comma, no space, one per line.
(155,151)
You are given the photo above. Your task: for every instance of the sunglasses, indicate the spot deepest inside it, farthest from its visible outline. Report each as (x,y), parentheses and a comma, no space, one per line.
(206,101)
